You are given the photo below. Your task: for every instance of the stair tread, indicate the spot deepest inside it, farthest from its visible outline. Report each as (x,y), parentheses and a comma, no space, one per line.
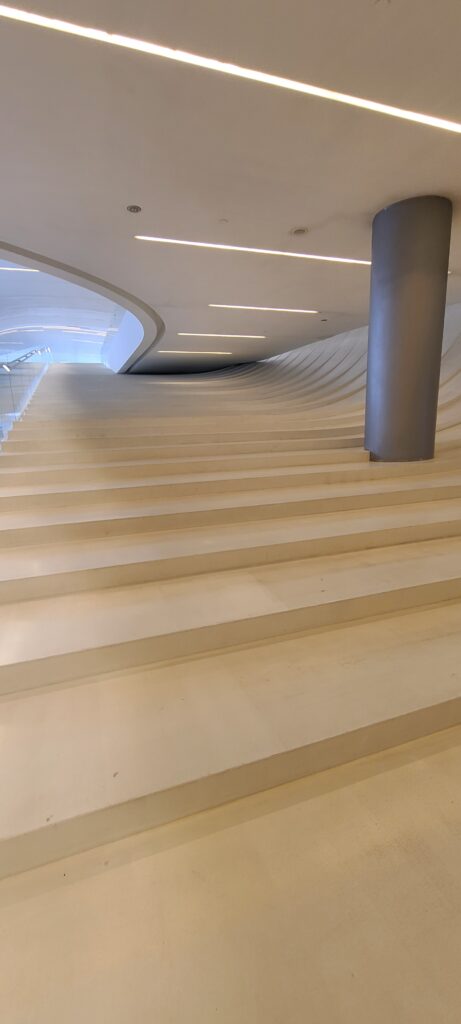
(77,555)
(53,626)
(102,483)
(254,659)
(307,492)
(368,472)
(127,735)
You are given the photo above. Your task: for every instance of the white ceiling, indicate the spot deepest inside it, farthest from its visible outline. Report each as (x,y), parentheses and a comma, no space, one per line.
(87,129)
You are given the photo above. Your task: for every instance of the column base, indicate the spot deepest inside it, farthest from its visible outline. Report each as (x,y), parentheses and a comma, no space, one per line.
(411,458)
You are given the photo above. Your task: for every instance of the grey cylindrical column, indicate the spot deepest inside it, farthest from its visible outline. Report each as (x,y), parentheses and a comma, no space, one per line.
(411,242)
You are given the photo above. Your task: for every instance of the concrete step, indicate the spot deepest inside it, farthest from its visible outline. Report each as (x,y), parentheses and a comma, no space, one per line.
(23,441)
(106,487)
(238,607)
(59,639)
(33,526)
(71,567)
(126,752)
(192,431)
(118,450)
(150,468)
(93,453)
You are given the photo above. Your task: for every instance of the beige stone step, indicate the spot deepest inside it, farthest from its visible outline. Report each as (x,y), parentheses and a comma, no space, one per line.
(123,450)
(64,567)
(193,429)
(150,468)
(104,487)
(338,891)
(159,432)
(180,485)
(126,752)
(146,515)
(53,640)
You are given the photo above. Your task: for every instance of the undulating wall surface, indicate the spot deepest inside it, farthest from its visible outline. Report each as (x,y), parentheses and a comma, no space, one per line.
(207,591)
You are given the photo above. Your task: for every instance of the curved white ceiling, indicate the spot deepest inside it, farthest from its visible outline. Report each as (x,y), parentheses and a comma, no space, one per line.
(88,129)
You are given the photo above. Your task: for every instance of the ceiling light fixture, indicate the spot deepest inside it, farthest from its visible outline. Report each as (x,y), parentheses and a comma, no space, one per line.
(259,252)
(189,352)
(32,329)
(5,367)
(262,309)
(226,68)
(194,334)
(20,270)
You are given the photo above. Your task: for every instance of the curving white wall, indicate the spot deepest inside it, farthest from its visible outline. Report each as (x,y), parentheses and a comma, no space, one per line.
(119,347)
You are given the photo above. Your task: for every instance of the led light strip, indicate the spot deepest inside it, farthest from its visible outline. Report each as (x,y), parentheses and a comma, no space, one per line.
(261,309)
(183,57)
(245,248)
(189,352)
(31,329)
(194,334)
(19,270)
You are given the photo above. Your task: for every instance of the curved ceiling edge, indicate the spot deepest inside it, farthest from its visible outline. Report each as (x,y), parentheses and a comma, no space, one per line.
(152,324)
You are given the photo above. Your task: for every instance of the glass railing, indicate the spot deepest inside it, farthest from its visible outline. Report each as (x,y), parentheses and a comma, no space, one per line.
(19,378)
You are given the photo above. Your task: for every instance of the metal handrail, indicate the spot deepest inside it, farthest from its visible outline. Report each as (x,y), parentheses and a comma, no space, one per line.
(18,387)
(7,366)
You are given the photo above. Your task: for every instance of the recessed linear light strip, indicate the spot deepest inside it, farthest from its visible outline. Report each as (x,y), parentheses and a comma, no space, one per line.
(235,70)
(261,309)
(194,334)
(31,329)
(19,270)
(189,352)
(245,248)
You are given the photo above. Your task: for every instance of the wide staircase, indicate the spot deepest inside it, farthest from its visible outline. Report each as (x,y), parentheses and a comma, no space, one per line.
(207,590)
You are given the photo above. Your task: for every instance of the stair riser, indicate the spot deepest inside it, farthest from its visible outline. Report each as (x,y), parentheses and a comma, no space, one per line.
(58,584)
(61,435)
(67,456)
(77,664)
(31,850)
(159,432)
(223,484)
(148,469)
(169,489)
(29,536)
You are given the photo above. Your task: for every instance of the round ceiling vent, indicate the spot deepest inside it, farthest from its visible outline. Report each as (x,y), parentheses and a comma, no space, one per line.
(299,231)
(133,208)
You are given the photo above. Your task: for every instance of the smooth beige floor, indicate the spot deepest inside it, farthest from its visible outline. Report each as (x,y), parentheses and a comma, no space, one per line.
(334,900)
